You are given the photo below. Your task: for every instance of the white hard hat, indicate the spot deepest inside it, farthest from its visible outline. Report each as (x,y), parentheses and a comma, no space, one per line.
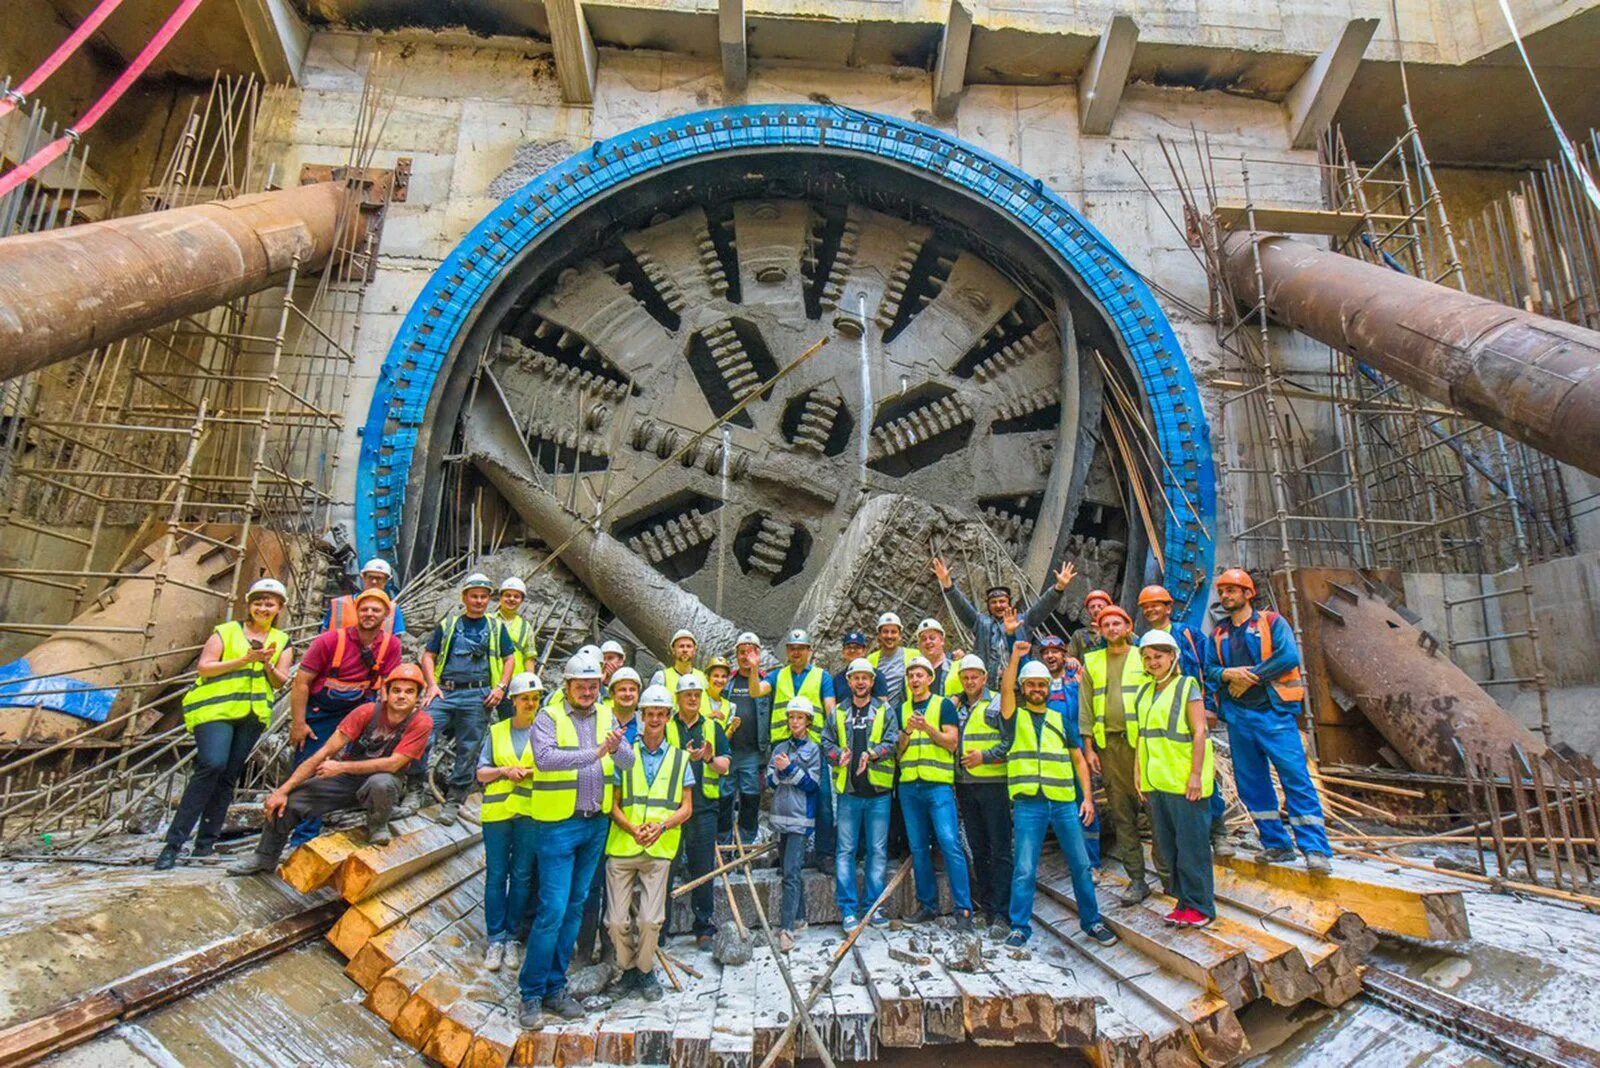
(267,585)
(1033,670)
(921,662)
(748,638)
(801,704)
(590,652)
(476,581)
(582,667)
(972,662)
(1158,639)
(682,633)
(798,636)
(690,684)
(515,585)
(889,619)
(655,697)
(527,682)
(612,646)
(626,674)
(861,664)
(377,566)
(930,624)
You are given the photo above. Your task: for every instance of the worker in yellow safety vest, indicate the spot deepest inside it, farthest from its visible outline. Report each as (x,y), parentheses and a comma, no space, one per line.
(1111,677)
(518,631)
(684,648)
(505,768)
(653,802)
(707,745)
(981,796)
(1176,775)
(890,659)
(930,734)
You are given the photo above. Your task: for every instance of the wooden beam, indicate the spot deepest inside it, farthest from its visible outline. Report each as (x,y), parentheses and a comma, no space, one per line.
(1100,88)
(1385,903)
(100,1010)
(950,70)
(735,46)
(372,869)
(1316,96)
(1232,215)
(278,37)
(381,912)
(577,62)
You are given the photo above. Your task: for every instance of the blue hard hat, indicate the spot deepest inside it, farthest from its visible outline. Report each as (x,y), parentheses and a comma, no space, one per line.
(855,637)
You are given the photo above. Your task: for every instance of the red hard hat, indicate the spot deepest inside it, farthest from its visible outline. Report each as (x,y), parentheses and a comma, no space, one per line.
(1114,610)
(407,673)
(1237,576)
(1102,594)
(1154,595)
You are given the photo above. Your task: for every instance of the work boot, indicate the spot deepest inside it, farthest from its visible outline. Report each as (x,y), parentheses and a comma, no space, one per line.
(1222,846)
(201,851)
(1135,892)
(378,832)
(1017,938)
(963,920)
(449,812)
(1319,864)
(252,864)
(168,858)
(627,983)
(923,915)
(413,799)
(648,985)
(1278,856)
(494,956)
(564,1005)
(531,1015)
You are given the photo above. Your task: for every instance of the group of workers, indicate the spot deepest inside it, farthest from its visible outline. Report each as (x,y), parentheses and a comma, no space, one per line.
(610,790)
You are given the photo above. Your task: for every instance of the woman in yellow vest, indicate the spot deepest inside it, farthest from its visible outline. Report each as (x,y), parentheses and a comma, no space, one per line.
(242,665)
(505,768)
(1175,777)
(647,816)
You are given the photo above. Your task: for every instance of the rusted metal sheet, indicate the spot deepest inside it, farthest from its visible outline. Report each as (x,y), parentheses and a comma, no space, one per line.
(1532,377)
(1417,698)
(63,292)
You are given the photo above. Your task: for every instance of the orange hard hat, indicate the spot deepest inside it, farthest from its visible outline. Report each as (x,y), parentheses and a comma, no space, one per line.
(1114,610)
(407,673)
(1102,594)
(375,594)
(1237,576)
(1154,595)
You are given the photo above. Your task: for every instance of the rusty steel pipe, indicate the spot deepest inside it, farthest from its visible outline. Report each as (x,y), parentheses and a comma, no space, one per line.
(66,291)
(1527,375)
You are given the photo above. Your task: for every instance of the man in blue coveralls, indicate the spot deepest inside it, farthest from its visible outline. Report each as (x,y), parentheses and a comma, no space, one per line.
(1253,666)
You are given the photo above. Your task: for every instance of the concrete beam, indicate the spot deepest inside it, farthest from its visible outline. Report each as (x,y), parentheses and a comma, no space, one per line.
(1315,97)
(1100,88)
(735,49)
(576,59)
(950,71)
(278,37)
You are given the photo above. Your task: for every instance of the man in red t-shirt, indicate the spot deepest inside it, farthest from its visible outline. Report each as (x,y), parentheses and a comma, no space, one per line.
(374,745)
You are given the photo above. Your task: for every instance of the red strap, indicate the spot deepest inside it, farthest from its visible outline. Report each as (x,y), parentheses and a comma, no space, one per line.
(44,157)
(63,52)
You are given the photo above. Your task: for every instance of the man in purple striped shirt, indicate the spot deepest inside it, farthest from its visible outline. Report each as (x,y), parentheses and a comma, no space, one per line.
(578,749)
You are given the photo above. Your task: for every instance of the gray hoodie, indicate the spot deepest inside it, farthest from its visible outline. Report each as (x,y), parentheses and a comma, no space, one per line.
(794,797)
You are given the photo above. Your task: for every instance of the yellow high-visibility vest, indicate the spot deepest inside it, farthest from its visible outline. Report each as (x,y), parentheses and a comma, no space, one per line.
(555,793)
(244,691)
(1166,741)
(1040,761)
(503,798)
(644,802)
(1133,677)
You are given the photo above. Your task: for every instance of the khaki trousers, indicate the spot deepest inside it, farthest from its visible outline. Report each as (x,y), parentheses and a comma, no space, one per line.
(635,933)
(1122,802)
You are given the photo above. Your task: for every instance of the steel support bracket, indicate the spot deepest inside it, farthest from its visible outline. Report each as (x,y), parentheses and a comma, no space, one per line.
(377,188)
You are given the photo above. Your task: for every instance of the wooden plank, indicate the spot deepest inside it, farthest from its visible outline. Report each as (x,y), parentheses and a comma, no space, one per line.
(1387,904)
(1105,76)
(392,946)
(774,1009)
(942,1021)
(1232,215)
(453,1033)
(393,989)
(697,1008)
(577,61)
(570,1044)
(83,1018)
(312,866)
(417,1018)
(898,1004)
(733,41)
(1208,961)
(1313,100)
(1074,1009)
(494,1041)
(1207,1021)
(1324,920)
(378,913)
(733,1027)
(373,869)
(1333,972)
(854,1020)
(1119,1041)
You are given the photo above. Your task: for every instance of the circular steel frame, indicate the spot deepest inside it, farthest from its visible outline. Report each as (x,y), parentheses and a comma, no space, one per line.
(428,338)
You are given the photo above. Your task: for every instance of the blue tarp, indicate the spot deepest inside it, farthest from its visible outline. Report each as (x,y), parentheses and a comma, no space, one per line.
(54,693)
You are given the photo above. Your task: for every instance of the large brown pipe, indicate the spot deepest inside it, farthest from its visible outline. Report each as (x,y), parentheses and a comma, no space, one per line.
(1532,377)
(66,291)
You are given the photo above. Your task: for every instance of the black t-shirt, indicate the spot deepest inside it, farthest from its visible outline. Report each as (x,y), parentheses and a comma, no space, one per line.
(752,713)
(859,722)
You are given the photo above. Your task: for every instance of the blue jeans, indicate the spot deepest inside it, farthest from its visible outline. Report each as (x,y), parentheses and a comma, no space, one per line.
(462,713)
(1264,741)
(508,848)
(322,724)
(930,812)
(863,824)
(745,781)
(568,853)
(1032,817)
(794,879)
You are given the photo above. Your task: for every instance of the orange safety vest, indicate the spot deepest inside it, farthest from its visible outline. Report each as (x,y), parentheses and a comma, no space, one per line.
(379,649)
(1289,686)
(342,613)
